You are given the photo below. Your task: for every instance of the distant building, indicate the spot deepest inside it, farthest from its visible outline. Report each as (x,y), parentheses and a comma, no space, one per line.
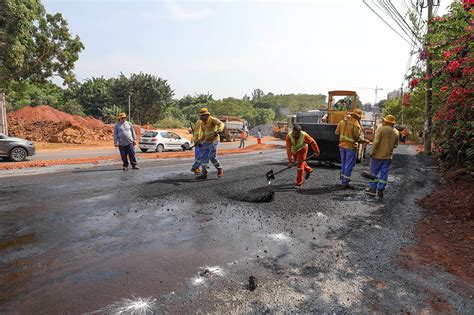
(367,107)
(394,94)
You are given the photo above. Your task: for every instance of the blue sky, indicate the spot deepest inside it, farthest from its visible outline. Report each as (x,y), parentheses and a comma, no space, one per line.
(229,48)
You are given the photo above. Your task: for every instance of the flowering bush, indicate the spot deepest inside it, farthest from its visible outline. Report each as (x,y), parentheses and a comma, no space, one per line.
(449,46)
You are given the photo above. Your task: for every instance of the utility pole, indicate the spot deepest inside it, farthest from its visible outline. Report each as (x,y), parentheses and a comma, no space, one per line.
(3,115)
(129,106)
(376,89)
(429,87)
(401,101)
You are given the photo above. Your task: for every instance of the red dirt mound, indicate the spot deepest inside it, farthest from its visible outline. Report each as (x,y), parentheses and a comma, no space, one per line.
(46,124)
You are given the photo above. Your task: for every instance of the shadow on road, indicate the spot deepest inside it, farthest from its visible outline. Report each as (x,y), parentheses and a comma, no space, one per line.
(179,181)
(101,170)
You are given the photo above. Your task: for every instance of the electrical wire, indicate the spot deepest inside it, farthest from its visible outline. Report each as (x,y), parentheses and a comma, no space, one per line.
(409,41)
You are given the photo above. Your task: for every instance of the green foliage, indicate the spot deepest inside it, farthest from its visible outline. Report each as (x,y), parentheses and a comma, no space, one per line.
(72,107)
(411,116)
(94,95)
(34,94)
(150,97)
(170,122)
(110,114)
(262,116)
(35,45)
(449,44)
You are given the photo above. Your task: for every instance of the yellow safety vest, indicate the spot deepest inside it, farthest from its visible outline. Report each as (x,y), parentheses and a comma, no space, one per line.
(295,147)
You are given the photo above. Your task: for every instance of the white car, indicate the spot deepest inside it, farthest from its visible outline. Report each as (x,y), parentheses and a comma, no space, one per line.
(162,140)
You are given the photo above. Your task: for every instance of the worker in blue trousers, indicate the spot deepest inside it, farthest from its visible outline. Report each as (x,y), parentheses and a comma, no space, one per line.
(350,135)
(386,139)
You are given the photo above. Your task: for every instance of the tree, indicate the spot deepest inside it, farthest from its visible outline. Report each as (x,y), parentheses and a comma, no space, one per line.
(257,94)
(35,45)
(150,97)
(34,94)
(94,95)
(110,114)
(262,116)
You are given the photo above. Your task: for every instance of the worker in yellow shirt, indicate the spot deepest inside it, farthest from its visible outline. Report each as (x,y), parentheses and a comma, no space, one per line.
(196,131)
(386,139)
(350,135)
(208,140)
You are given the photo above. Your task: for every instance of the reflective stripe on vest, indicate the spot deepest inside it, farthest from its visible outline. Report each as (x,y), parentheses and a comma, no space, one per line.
(295,147)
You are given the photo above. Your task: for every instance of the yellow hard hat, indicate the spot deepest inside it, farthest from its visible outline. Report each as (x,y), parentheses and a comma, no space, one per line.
(204,111)
(122,115)
(357,114)
(389,119)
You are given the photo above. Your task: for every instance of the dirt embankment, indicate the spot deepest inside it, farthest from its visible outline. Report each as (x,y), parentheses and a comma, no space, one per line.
(46,124)
(445,232)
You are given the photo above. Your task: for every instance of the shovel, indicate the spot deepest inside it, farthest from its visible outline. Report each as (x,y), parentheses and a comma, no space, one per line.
(270,175)
(184,147)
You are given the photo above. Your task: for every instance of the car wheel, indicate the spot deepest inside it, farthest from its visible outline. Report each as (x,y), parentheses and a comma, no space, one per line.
(18,154)
(186,146)
(143,150)
(160,148)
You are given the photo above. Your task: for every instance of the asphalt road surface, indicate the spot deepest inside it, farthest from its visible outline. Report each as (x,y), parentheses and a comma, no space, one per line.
(73,154)
(101,240)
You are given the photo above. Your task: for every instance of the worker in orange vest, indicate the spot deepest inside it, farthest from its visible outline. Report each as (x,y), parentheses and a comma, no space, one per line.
(297,148)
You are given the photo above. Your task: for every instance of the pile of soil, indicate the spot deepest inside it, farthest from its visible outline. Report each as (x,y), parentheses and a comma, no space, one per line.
(46,124)
(446,230)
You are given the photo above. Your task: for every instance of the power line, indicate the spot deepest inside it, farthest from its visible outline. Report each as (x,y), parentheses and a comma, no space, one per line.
(393,29)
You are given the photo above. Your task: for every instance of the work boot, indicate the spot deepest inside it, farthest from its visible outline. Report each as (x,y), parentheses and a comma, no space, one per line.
(136,167)
(298,186)
(220,173)
(196,171)
(307,175)
(125,168)
(347,186)
(380,193)
(370,192)
(202,176)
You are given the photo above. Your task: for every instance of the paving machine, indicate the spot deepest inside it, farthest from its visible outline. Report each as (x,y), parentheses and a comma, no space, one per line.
(321,125)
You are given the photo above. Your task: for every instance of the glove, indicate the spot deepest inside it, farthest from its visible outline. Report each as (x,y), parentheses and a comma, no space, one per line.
(198,144)
(316,154)
(216,133)
(290,165)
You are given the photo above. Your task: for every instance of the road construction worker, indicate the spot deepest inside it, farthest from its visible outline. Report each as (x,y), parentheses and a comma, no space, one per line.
(196,131)
(349,131)
(297,148)
(210,128)
(242,136)
(386,139)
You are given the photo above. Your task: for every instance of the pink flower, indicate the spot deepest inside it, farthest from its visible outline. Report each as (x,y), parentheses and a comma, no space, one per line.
(453,66)
(446,54)
(413,83)
(444,88)
(406,100)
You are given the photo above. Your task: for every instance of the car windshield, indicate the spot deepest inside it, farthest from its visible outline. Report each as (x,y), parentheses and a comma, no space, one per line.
(150,134)
(367,123)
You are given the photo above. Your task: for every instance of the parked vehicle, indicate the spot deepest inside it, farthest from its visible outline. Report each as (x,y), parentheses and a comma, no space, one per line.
(369,129)
(16,149)
(232,127)
(163,140)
